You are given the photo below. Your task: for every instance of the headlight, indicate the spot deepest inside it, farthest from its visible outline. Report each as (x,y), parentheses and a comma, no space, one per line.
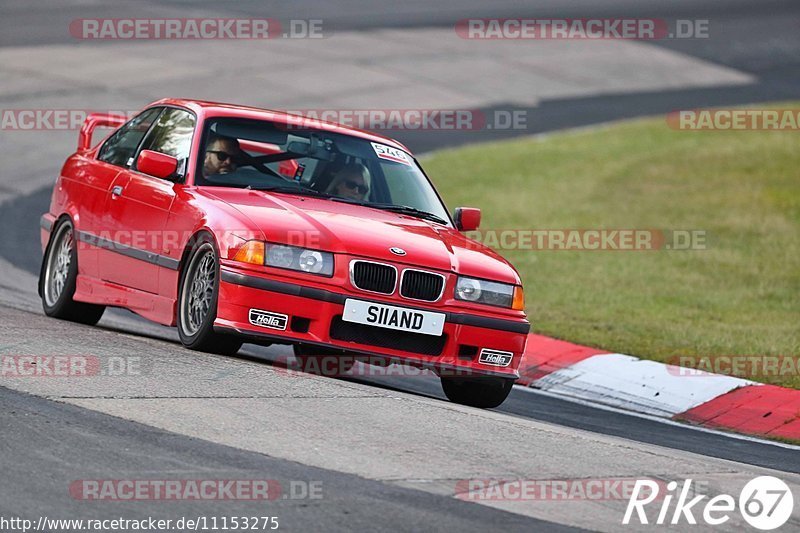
(283,256)
(311,261)
(302,259)
(280,256)
(489,293)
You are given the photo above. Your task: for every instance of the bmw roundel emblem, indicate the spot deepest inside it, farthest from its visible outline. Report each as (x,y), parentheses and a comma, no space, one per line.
(397,251)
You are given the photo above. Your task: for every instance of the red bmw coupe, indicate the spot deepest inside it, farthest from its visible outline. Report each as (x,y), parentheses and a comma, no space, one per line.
(240,225)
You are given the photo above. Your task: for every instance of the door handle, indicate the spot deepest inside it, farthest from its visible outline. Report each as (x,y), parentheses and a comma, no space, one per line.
(116,191)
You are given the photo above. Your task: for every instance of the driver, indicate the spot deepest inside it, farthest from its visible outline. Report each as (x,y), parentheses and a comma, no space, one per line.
(352,182)
(222,154)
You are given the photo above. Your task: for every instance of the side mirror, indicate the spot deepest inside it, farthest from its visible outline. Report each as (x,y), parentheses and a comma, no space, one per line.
(468,218)
(156,164)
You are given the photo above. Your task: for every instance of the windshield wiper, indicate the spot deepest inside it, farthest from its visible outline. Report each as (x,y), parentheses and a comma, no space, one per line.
(291,190)
(408,210)
(350,201)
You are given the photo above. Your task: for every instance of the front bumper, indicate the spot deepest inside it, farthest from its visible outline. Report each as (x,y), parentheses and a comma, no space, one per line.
(313,316)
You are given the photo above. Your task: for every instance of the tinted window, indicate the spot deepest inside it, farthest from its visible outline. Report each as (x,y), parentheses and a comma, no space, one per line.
(172,135)
(121,146)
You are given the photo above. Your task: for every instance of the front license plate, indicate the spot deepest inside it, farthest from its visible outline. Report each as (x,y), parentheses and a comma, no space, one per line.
(393,317)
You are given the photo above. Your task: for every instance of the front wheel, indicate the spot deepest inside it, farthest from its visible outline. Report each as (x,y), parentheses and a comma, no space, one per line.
(483,392)
(58,279)
(197,303)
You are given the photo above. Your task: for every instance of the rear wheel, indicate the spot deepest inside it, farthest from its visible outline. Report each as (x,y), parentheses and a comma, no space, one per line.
(323,361)
(58,279)
(197,303)
(483,392)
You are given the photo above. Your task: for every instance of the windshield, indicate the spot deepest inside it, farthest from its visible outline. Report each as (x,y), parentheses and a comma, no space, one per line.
(256,154)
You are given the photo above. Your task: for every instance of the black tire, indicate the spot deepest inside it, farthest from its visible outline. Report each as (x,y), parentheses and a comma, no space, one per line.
(328,362)
(197,302)
(58,276)
(483,392)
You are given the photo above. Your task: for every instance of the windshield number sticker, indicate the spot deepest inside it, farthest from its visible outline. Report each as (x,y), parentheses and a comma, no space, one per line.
(391,154)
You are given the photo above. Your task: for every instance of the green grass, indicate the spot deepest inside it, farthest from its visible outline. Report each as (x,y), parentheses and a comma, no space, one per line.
(739,296)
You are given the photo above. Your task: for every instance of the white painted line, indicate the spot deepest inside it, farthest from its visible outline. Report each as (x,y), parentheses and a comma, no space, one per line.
(659,419)
(638,385)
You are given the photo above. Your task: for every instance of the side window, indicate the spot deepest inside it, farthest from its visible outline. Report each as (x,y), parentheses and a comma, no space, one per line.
(120,147)
(172,135)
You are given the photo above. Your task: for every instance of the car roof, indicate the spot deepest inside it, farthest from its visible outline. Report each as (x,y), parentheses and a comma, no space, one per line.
(209,109)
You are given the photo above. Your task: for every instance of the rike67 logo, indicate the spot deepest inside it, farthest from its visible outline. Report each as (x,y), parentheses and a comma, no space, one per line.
(766,503)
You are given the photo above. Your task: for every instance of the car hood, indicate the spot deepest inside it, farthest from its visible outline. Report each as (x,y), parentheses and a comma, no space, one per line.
(365,232)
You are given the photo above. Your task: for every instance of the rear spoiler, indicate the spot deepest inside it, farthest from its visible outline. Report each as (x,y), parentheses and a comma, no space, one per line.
(95,120)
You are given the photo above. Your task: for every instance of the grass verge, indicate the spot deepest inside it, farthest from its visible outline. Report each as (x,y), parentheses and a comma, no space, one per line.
(738,297)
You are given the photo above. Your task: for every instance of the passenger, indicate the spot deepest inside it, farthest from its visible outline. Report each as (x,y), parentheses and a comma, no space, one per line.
(351,182)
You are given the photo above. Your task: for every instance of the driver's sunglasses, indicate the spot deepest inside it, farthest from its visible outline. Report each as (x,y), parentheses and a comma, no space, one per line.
(223,156)
(355,186)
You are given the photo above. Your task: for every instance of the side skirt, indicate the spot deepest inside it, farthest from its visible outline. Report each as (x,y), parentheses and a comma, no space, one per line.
(150,306)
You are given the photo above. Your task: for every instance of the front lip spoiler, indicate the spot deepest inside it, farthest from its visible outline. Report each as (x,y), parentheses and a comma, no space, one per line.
(323,295)
(457,371)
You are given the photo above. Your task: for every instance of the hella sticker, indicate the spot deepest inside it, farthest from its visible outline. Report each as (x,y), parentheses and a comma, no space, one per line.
(495,357)
(265,319)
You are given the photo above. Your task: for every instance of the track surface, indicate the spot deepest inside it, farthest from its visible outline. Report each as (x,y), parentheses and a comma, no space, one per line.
(387,450)
(341,433)
(70,439)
